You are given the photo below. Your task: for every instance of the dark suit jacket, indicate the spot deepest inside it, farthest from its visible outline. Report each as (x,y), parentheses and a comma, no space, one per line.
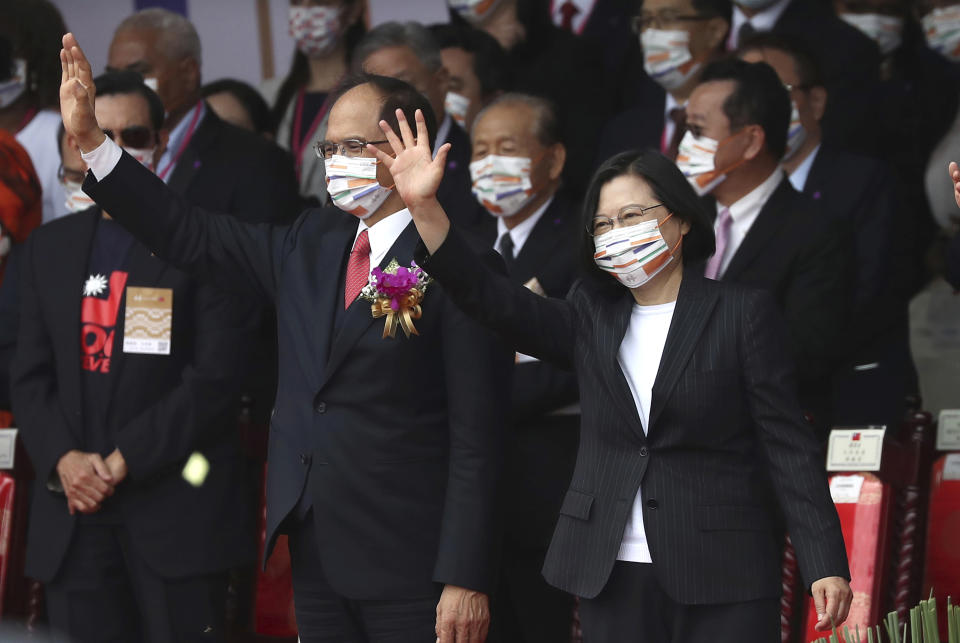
(542,447)
(455,193)
(861,195)
(396,442)
(635,128)
(952,272)
(163,408)
(795,254)
(724,420)
(228,169)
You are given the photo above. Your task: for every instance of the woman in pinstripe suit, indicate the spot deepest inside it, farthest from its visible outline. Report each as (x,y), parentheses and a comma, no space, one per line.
(693,449)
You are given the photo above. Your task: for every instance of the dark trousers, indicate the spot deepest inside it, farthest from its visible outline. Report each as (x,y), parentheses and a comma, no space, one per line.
(323,616)
(632,608)
(105,592)
(526,609)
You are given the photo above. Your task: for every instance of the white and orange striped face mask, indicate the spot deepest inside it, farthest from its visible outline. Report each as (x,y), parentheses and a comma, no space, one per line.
(634,254)
(696,158)
(502,184)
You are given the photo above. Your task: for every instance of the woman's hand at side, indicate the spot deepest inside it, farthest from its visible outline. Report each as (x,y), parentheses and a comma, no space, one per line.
(417,176)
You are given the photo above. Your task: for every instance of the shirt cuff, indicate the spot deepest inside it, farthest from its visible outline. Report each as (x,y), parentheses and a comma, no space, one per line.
(103,159)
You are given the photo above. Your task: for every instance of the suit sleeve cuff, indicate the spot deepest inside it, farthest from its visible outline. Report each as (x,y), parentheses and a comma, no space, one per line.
(103,159)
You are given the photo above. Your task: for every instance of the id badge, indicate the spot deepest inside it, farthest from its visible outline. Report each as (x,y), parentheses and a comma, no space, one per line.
(148,321)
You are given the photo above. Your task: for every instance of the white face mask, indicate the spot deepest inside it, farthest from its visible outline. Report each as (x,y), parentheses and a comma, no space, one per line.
(12,88)
(475,11)
(316,30)
(151,82)
(502,183)
(457,106)
(77,199)
(696,159)
(886,31)
(635,254)
(796,132)
(666,57)
(353,186)
(942,30)
(144,156)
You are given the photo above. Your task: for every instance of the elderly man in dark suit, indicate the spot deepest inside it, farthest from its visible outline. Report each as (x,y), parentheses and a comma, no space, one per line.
(124,385)
(384,452)
(767,233)
(516,142)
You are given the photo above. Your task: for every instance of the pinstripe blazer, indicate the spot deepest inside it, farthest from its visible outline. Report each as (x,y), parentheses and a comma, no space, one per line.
(726,454)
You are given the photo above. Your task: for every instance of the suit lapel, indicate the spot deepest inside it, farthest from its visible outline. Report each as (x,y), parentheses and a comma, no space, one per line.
(189,163)
(538,245)
(612,326)
(357,318)
(769,221)
(694,305)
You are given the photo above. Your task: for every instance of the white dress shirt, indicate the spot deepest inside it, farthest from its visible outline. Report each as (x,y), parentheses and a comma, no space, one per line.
(383,234)
(579,19)
(743,213)
(177,135)
(798,178)
(39,139)
(520,232)
(763,21)
(639,358)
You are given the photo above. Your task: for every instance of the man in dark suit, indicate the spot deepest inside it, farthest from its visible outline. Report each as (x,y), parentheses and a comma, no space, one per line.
(384,452)
(138,510)
(767,233)
(214,165)
(850,60)
(409,52)
(537,236)
(672,70)
(859,193)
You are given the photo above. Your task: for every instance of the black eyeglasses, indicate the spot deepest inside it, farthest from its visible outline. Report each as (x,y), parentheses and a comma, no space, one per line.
(628,215)
(352,147)
(667,17)
(66,174)
(136,136)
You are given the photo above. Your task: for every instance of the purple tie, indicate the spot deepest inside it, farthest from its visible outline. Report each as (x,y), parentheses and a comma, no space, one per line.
(723,236)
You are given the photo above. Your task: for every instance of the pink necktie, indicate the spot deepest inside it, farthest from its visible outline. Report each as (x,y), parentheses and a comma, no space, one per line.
(567,11)
(358,269)
(723,236)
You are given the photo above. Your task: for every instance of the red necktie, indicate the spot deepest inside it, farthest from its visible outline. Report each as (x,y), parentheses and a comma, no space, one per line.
(567,11)
(358,269)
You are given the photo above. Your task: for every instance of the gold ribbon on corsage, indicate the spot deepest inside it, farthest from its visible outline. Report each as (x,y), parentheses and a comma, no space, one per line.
(396,293)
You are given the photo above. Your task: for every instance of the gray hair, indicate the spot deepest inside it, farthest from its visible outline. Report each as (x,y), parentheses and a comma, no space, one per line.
(400,34)
(178,37)
(547,125)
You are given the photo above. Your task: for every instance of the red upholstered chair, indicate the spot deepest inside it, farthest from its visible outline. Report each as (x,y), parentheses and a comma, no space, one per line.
(942,573)
(273,606)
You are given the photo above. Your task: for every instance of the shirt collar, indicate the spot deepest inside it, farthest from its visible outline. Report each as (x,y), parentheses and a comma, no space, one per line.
(670,105)
(763,21)
(748,207)
(798,178)
(443,133)
(383,234)
(521,232)
(178,132)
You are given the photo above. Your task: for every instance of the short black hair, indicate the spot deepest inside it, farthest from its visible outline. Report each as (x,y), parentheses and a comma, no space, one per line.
(396,94)
(669,186)
(804,62)
(120,83)
(711,8)
(254,104)
(489,58)
(758,98)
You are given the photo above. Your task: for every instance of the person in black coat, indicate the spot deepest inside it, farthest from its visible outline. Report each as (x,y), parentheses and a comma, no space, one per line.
(692,440)
(213,164)
(875,370)
(536,234)
(384,451)
(138,509)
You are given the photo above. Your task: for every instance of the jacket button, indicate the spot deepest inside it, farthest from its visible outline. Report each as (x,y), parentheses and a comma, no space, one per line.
(321,407)
(643,452)
(652,504)
(304,459)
